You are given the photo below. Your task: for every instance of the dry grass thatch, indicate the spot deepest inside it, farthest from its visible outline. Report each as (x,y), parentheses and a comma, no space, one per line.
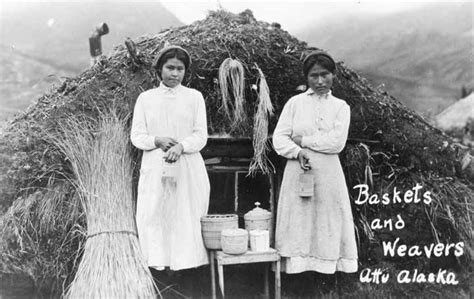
(389,145)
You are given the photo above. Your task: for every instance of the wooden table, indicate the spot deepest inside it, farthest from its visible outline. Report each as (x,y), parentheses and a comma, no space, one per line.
(249,257)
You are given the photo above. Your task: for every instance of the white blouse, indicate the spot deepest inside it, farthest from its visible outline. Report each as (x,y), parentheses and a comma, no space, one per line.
(322,121)
(177,112)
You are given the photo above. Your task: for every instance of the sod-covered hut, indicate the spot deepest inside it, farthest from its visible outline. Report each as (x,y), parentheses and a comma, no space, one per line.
(458,120)
(389,146)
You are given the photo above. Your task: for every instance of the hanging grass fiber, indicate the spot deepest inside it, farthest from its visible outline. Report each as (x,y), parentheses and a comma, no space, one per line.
(111,265)
(232,84)
(260,128)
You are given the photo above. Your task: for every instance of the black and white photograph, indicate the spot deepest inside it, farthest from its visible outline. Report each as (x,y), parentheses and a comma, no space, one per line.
(236,149)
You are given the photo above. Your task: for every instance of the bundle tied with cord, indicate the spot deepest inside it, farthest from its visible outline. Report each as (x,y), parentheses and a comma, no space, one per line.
(111,265)
(260,128)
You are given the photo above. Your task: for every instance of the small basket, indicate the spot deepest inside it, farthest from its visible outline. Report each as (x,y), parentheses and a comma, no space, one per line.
(212,225)
(234,241)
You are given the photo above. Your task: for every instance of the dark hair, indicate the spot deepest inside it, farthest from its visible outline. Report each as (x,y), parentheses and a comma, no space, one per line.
(170,54)
(321,59)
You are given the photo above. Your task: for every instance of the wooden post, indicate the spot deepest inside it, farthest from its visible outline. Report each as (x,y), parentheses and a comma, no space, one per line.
(220,273)
(265,278)
(236,192)
(213,273)
(277,281)
(272,209)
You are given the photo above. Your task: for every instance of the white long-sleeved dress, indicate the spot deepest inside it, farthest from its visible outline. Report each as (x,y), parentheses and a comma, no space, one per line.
(315,234)
(169,228)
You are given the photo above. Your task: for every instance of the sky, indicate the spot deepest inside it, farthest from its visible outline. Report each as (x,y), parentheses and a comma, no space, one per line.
(291,14)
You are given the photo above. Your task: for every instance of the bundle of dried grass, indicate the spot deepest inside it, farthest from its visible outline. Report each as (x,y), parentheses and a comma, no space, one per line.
(260,128)
(232,84)
(111,264)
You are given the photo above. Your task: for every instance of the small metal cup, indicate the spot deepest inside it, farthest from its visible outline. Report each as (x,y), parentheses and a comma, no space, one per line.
(306,185)
(170,170)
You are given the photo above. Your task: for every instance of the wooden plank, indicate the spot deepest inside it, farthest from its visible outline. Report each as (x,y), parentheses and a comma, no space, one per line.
(221,168)
(220,253)
(247,258)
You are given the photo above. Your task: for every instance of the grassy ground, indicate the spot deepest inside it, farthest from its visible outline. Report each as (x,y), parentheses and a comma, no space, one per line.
(246,281)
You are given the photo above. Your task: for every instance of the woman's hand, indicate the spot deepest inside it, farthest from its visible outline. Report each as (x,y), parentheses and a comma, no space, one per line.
(165,143)
(173,154)
(297,140)
(303,158)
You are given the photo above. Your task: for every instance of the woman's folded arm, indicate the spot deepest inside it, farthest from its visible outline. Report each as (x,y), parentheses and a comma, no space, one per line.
(333,141)
(282,142)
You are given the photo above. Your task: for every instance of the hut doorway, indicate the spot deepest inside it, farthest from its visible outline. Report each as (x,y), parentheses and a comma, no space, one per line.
(232,190)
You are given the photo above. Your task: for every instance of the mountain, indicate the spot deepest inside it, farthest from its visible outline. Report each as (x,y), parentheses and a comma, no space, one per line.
(23,79)
(59,31)
(41,42)
(423,56)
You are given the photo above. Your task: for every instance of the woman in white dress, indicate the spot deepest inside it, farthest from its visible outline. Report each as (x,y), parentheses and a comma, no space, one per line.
(315,233)
(169,125)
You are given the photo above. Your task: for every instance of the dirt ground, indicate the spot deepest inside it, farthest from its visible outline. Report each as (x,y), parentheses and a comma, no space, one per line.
(247,281)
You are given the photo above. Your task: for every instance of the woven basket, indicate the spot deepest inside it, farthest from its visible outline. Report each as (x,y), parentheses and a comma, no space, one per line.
(258,219)
(234,241)
(212,225)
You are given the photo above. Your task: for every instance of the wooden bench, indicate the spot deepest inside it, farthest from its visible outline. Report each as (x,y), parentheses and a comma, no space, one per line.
(249,257)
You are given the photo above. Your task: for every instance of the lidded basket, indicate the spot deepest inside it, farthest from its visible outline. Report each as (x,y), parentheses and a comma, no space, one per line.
(258,219)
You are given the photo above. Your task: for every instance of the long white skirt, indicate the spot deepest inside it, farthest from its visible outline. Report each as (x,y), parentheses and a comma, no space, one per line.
(168,215)
(316,234)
